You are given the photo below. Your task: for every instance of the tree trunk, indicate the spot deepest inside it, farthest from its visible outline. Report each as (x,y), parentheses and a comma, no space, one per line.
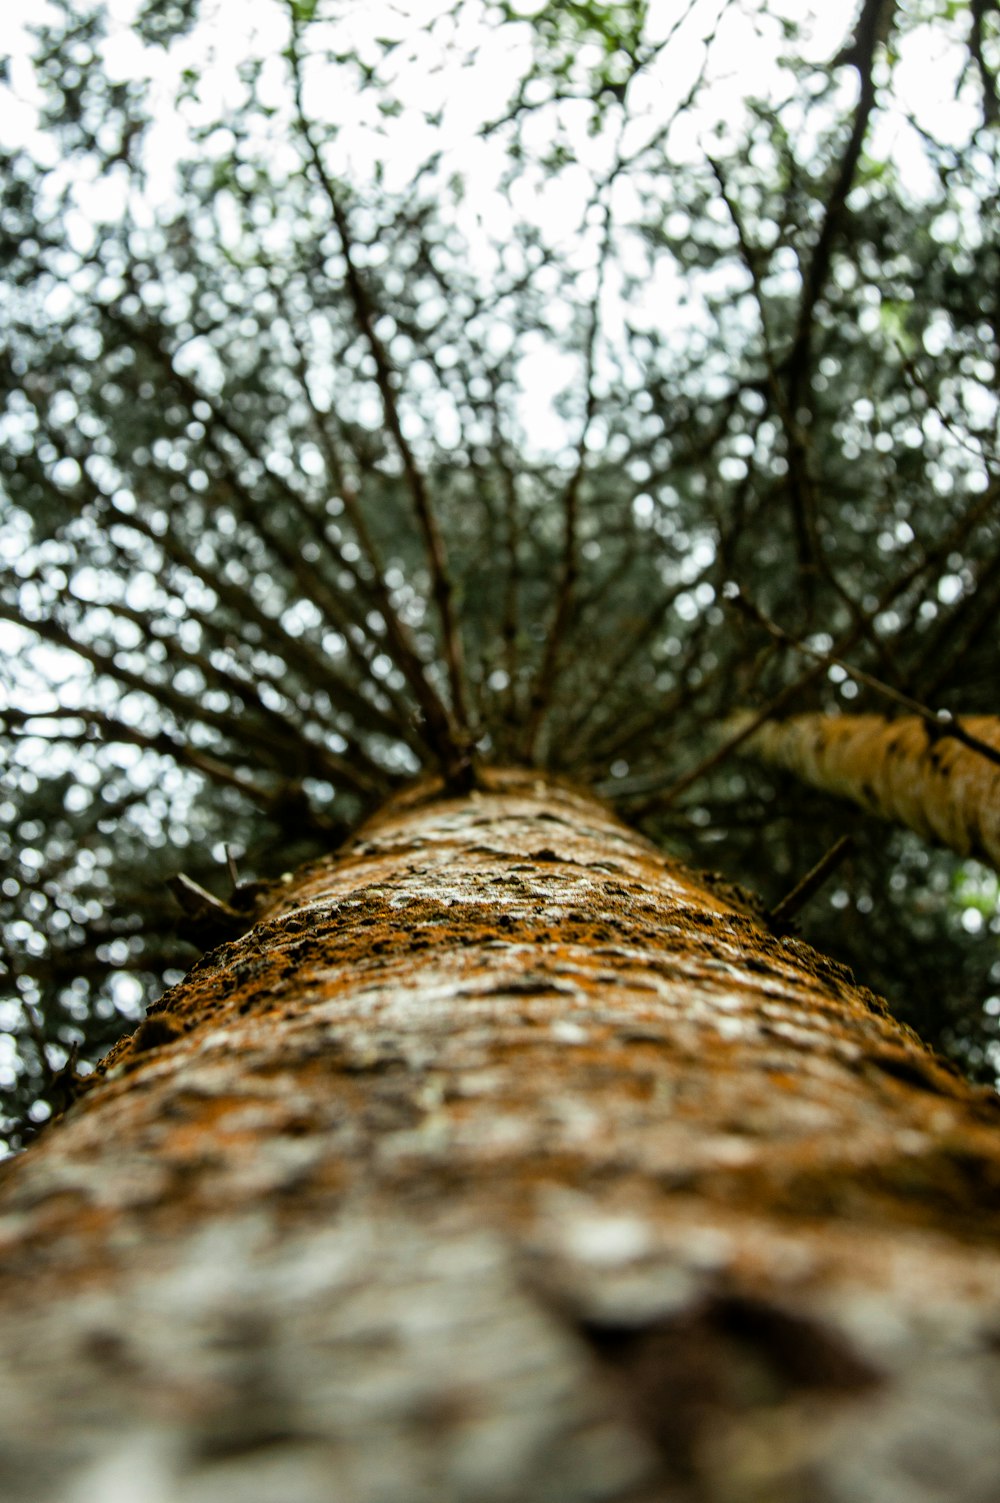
(505,1160)
(904,770)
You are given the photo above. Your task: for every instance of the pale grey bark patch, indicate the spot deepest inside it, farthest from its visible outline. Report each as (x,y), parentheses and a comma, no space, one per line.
(475,1178)
(423,1359)
(378,1360)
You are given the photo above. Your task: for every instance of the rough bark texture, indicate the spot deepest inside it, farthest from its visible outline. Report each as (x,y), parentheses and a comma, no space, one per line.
(899,769)
(504,1160)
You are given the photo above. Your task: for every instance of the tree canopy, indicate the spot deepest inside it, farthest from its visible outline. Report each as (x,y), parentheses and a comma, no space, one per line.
(399,386)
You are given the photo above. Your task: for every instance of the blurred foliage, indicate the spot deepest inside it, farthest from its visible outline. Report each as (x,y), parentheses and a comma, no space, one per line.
(426,403)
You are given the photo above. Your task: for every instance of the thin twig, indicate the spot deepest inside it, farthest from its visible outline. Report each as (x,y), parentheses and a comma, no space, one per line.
(664,800)
(941,721)
(295,651)
(398,642)
(977,38)
(868,34)
(541,693)
(810,884)
(801,486)
(450,741)
(982,507)
(270,800)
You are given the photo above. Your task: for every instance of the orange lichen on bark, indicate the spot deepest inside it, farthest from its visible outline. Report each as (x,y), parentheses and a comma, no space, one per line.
(905,770)
(648,1179)
(582,997)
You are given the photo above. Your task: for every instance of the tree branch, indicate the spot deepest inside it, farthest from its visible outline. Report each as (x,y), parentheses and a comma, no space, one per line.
(450,741)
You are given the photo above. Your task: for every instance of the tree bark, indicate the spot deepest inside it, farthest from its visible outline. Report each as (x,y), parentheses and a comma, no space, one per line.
(505,1160)
(904,770)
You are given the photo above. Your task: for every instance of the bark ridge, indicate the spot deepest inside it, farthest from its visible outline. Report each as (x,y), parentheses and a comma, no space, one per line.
(504,1159)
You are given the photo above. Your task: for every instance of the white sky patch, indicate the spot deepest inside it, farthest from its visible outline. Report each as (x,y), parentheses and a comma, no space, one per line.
(468,70)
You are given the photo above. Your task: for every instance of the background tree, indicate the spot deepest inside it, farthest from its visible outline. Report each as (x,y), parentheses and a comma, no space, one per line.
(431,406)
(938,778)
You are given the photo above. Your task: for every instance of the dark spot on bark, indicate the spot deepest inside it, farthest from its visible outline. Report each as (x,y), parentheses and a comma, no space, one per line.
(156,1032)
(978,1173)
(740,897)
(529,985)
(544,855)
(680,1377)
(391,1108)
(806,1353)
(640,1034)
(914,1070)
(372,1064)
(227,1443)
(108,1348)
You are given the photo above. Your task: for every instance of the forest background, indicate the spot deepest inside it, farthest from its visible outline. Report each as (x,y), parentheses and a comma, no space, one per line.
(397,386)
